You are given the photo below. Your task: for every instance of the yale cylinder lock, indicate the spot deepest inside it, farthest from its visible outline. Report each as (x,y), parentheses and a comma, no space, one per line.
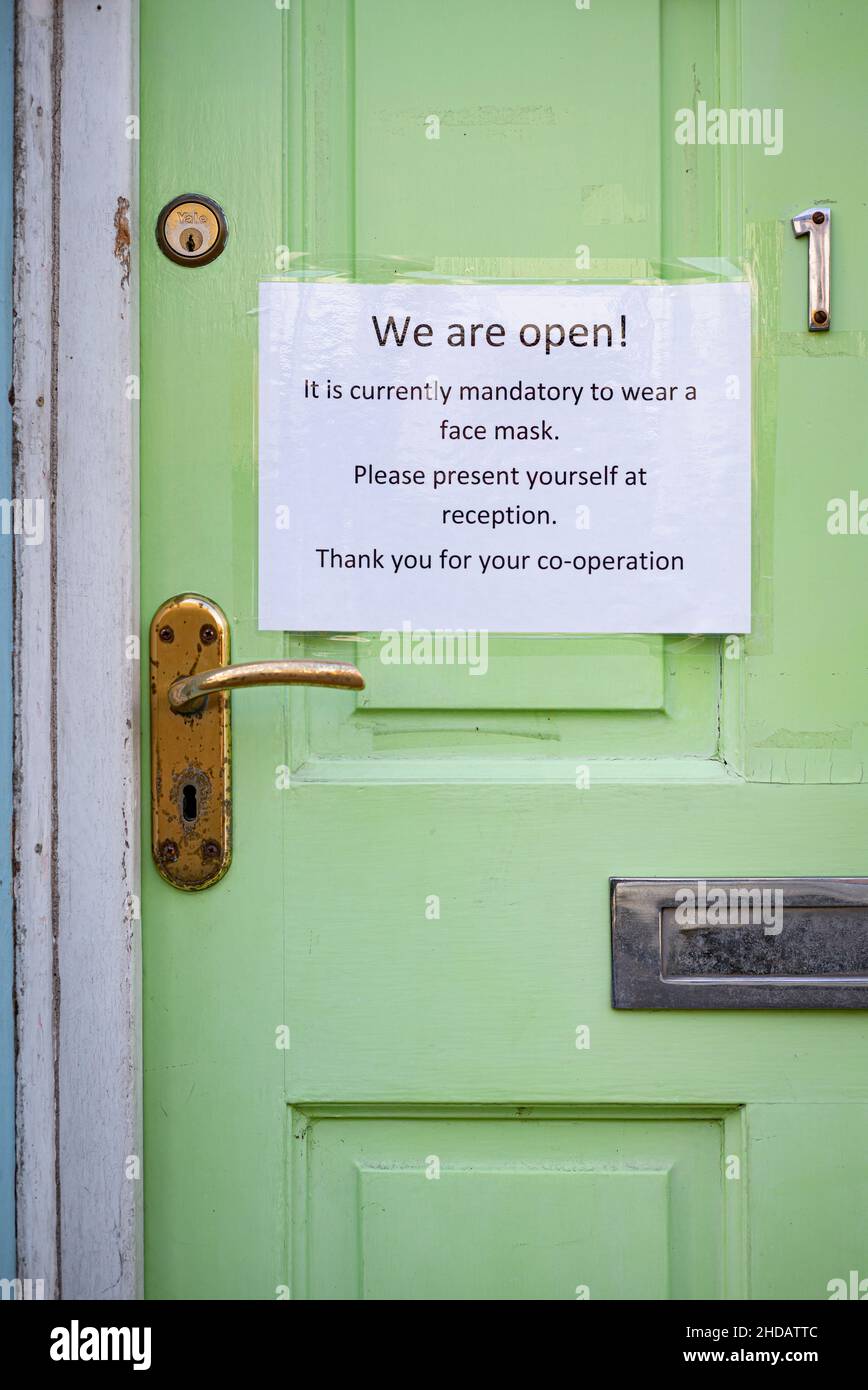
(192,230)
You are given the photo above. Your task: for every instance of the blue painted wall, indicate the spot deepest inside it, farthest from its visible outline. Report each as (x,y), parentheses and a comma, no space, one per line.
(7,1049)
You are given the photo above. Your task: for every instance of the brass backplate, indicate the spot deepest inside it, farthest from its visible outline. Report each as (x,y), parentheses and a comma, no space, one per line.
(191,808)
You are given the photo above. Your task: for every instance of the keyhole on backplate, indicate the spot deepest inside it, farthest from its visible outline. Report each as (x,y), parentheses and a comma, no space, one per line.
(189,803)
(193,240)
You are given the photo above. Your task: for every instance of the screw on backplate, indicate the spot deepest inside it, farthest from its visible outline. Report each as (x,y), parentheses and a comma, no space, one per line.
(166,634)
(169,852)
(208,634)
(820,316)
(211,850)
(819,217)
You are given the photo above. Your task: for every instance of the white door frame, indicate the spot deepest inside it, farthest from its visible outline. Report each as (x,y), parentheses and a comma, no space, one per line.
(77,669)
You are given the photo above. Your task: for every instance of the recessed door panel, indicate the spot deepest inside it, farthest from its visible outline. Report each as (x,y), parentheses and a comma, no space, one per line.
(509,1206)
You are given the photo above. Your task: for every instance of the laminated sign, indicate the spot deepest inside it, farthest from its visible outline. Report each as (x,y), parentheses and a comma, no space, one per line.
(506,458)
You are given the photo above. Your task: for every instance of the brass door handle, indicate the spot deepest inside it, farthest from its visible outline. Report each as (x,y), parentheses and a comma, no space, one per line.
(189,694)
(191,745)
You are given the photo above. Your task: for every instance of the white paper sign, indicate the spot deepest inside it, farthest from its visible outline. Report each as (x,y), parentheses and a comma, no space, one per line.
(504,458)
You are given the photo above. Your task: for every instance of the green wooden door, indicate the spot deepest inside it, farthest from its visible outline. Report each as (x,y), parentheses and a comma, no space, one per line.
(419,899)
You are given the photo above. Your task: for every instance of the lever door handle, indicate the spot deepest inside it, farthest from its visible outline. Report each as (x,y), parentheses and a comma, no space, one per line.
(189,694)
(191,743)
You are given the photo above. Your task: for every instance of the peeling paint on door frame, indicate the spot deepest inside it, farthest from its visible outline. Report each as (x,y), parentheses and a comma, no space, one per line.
(76,768)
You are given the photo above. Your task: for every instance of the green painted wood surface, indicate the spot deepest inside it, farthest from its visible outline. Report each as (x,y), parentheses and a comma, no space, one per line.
(552,1206)
(455,1036)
